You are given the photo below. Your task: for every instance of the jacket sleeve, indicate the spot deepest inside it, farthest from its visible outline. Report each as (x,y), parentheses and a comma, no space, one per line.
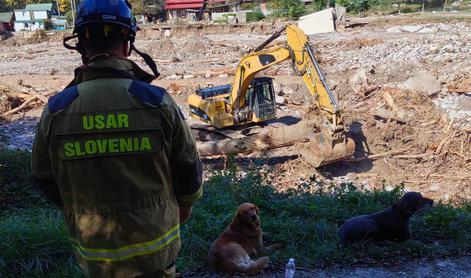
(185,162)
(41,166)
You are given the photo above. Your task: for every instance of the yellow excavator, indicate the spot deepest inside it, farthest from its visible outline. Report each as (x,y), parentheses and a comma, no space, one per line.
(251,99)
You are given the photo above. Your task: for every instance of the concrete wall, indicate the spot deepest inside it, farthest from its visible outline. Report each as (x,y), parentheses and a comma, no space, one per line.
(241,16)
(320,22)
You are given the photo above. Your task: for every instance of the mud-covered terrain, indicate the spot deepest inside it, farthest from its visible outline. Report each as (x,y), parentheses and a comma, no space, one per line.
(403,83)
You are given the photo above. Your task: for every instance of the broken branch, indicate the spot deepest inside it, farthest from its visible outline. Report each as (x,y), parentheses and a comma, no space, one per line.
(21,107)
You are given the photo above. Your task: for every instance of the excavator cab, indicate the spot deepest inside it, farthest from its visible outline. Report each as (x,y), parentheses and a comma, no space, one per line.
(260,98)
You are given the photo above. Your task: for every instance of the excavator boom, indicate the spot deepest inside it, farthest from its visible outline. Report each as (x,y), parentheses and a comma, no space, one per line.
(251,99)
(331,144)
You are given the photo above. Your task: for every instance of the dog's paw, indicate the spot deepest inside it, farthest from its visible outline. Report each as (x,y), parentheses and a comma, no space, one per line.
(264,261)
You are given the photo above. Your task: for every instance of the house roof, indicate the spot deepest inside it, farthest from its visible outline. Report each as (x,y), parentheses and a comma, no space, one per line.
(183,4)
(6,17)
(39,7)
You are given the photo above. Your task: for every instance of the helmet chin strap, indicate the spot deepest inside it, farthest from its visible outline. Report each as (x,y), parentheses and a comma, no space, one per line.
(79,48)
(85,59)
(149,61)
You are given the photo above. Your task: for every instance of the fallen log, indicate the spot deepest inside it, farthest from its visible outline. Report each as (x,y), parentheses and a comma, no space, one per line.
(270,137)
(412,156)
(27,92)
(459,90)
(378,155)
(21,107)
(37,92)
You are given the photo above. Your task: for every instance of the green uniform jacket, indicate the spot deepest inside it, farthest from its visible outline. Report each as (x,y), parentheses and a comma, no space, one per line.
(117,153)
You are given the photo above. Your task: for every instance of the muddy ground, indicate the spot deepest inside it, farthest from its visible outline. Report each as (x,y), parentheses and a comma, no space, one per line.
(404,84)
(443,268)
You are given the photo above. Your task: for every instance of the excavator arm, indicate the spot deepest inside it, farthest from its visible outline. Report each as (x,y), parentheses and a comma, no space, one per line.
(331,144)
(248,67)
(306,65)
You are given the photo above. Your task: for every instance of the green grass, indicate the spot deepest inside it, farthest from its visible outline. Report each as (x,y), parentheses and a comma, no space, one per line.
(15,181)
(34,242)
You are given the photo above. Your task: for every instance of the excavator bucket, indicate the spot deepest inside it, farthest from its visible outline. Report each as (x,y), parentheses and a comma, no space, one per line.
(320,152)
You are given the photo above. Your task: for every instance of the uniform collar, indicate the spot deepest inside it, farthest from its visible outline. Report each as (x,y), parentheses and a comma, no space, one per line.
(104,61)
(104,66)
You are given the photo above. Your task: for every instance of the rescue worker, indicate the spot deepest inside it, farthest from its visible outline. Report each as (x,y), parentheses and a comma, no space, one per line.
(116,153)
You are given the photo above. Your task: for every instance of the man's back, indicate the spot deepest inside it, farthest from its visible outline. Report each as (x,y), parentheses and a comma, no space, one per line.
(113,146)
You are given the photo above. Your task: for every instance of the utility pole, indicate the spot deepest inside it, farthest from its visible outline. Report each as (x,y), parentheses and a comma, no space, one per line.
(58,8)
(72,9)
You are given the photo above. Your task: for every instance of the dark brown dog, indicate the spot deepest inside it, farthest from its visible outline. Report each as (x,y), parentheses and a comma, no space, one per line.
(389,224)
(242,239)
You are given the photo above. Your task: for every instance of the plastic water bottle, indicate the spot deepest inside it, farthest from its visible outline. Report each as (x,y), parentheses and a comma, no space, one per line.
(290,269)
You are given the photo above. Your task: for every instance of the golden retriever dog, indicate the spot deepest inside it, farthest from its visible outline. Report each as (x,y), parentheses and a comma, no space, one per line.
(241,240)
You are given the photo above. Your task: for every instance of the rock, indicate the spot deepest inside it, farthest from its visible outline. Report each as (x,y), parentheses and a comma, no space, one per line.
(188,76)
(175,59)
(445,264)
(280,100)
(434,188)
(224,75)
(351,176)
(446,197)
(174,77)
(423,81)
(167,33)
(358,80)
(277,88)
(207,75)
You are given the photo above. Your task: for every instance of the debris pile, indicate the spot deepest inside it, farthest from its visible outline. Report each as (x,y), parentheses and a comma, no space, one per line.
(405,91)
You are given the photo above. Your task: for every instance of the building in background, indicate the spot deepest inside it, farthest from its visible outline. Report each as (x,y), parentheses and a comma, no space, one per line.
(33,16)
(6,22)
(182,8)
(199,9)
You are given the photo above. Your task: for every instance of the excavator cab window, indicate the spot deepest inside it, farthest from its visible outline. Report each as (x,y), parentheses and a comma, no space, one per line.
(262,98)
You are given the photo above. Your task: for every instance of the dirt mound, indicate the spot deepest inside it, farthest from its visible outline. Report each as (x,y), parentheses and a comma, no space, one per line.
(170,47)
(262,28)
(38,37)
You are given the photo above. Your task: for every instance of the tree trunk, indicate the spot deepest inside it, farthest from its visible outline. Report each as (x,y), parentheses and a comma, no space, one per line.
(270,137)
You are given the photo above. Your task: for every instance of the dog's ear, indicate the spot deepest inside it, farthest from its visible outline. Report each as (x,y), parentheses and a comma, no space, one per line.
(256,209)
(408,203)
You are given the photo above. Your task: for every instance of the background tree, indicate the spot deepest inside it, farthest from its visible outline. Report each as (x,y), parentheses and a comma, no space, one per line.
(290,9)
(146,6)
(63,6)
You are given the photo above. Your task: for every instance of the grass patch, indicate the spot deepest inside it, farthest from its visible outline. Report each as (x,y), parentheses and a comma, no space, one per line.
(34,241)
(35,244)
(16,190)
